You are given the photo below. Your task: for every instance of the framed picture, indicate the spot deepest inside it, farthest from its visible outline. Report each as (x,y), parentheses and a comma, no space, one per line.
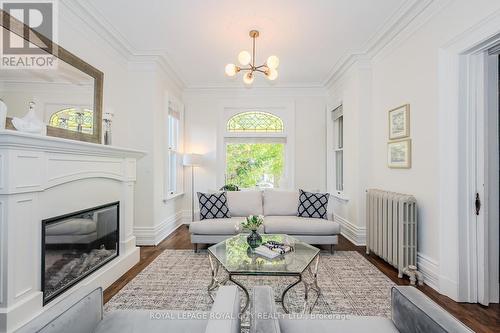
(399,122)
(399,154)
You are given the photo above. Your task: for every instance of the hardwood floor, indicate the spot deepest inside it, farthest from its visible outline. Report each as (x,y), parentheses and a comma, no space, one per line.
(477,317)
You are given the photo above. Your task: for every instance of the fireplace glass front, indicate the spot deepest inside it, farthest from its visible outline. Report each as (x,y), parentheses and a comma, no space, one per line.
(77,244)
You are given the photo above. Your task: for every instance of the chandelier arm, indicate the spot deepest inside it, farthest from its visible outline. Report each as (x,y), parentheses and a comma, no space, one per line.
(261,71)
(253,53)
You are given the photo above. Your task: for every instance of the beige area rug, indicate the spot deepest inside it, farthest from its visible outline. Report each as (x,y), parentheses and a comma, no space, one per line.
(178,280)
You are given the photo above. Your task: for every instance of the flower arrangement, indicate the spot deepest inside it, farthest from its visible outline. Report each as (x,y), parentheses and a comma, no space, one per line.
(230,187)
(253,222)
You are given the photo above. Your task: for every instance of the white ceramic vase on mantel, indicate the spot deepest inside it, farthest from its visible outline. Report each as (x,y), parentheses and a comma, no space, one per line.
(30,122)
(3,114)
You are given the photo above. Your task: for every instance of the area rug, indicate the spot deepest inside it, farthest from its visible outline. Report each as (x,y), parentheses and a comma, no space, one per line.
(178,280)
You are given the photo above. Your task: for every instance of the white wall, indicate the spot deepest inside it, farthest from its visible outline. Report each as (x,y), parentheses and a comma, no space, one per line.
(203,110)
(406,71)
(353,91)
(134,92)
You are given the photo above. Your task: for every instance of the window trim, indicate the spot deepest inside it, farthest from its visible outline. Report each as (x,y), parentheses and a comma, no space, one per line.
(332,114)
(338,146)
(284,109)
(174,105)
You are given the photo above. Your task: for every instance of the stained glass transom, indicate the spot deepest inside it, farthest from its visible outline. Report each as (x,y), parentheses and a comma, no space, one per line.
(256,122)
(73,119)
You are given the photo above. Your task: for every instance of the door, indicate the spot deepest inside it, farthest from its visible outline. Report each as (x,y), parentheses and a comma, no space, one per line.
(486,200)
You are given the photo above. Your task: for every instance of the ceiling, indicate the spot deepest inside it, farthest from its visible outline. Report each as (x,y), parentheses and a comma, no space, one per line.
(198,37)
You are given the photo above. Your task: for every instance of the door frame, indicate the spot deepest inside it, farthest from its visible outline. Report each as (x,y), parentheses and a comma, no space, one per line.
(462,112)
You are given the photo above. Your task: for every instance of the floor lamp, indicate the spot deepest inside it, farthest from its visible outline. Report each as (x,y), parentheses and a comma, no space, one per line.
(192,160)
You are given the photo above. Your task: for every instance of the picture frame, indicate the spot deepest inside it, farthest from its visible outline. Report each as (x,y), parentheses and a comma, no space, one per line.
(399,154)
(399,122)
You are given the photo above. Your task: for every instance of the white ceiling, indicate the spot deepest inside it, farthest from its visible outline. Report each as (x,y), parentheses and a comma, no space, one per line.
(200,36)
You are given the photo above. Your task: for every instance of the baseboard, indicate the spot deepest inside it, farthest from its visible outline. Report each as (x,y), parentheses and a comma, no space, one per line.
(355,234)
(449,288)
(429,269)
(154,235)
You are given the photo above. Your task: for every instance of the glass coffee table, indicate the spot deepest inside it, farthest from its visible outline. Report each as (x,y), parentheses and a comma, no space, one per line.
(235,257)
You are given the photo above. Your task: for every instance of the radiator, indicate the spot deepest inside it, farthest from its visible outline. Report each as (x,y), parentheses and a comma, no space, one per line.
(391,220)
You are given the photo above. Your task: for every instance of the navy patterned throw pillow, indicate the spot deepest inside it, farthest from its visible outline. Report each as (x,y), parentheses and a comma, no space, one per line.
(213,206)
(313,205)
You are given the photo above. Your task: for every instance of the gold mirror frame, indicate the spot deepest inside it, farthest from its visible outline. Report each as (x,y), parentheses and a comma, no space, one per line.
(59,52)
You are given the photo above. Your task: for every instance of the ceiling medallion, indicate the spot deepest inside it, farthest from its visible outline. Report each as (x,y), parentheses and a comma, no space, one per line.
(248,60)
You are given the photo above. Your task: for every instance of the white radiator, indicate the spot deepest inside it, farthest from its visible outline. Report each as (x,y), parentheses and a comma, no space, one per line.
(391,220)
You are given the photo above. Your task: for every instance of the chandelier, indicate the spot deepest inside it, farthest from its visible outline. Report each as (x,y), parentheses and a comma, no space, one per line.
(247,60)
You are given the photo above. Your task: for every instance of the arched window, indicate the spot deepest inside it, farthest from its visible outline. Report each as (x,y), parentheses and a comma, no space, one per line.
(257,161)
(73,119)
(256,122)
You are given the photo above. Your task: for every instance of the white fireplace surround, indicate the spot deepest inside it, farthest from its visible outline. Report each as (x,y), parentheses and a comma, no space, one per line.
(43,177)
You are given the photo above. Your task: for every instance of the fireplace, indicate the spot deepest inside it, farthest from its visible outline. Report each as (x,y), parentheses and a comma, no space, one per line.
(75,245)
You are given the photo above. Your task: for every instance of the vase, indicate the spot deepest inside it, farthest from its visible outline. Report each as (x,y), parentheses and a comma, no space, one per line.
(254,240)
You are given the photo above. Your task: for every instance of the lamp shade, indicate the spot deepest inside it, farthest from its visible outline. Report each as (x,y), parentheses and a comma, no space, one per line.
(192,159)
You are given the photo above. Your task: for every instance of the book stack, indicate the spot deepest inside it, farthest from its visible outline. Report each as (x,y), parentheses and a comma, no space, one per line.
(272,249)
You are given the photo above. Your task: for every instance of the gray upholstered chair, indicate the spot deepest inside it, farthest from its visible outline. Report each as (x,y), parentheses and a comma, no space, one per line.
(83,313)
(412,312)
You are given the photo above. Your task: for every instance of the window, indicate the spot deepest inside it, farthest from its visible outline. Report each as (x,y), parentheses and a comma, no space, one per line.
(74,119)
(255,122)
(338,147)
(250,165)
(173,163)
(255,152)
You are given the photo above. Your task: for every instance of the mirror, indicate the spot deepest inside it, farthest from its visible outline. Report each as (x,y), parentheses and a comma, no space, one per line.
(67,97)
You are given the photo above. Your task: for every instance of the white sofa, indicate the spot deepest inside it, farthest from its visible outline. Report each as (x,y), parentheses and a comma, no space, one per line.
(279,209)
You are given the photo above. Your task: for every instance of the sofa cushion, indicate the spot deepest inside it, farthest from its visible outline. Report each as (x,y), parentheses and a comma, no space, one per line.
(350,324)
(293,225)
(213,205)
(134,321)
(263,308)
(280,203)
(313,205)
(216,226)
(414,312)
(76,226)
(245,203)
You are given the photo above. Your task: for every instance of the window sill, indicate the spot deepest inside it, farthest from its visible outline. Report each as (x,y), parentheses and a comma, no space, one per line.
(340,196)
(173,196)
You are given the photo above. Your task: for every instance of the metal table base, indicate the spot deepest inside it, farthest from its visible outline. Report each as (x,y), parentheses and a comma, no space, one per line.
(309,277)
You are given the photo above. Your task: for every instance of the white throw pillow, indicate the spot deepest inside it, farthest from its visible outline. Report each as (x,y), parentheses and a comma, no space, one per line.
(244,203)
(280,203)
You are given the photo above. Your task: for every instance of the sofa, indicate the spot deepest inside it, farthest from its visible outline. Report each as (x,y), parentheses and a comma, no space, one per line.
(279,209)
(412,312)
(82,312)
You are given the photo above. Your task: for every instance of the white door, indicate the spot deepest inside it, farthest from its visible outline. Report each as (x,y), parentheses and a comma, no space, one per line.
(485,201)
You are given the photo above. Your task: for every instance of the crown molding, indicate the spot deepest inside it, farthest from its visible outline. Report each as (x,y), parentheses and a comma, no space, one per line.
(101,26)
(397,23)
(403,17)
(290,90)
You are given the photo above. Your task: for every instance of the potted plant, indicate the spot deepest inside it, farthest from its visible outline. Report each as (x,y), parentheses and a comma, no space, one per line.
(252,223)
(230,188)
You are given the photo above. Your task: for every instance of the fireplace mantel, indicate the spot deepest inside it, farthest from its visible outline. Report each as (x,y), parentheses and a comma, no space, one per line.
(20,140)
(42,177)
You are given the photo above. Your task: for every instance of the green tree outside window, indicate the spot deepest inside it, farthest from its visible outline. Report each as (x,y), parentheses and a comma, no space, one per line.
(251,165)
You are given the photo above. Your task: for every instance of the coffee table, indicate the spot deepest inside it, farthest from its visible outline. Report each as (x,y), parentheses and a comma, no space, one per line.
(235,257)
